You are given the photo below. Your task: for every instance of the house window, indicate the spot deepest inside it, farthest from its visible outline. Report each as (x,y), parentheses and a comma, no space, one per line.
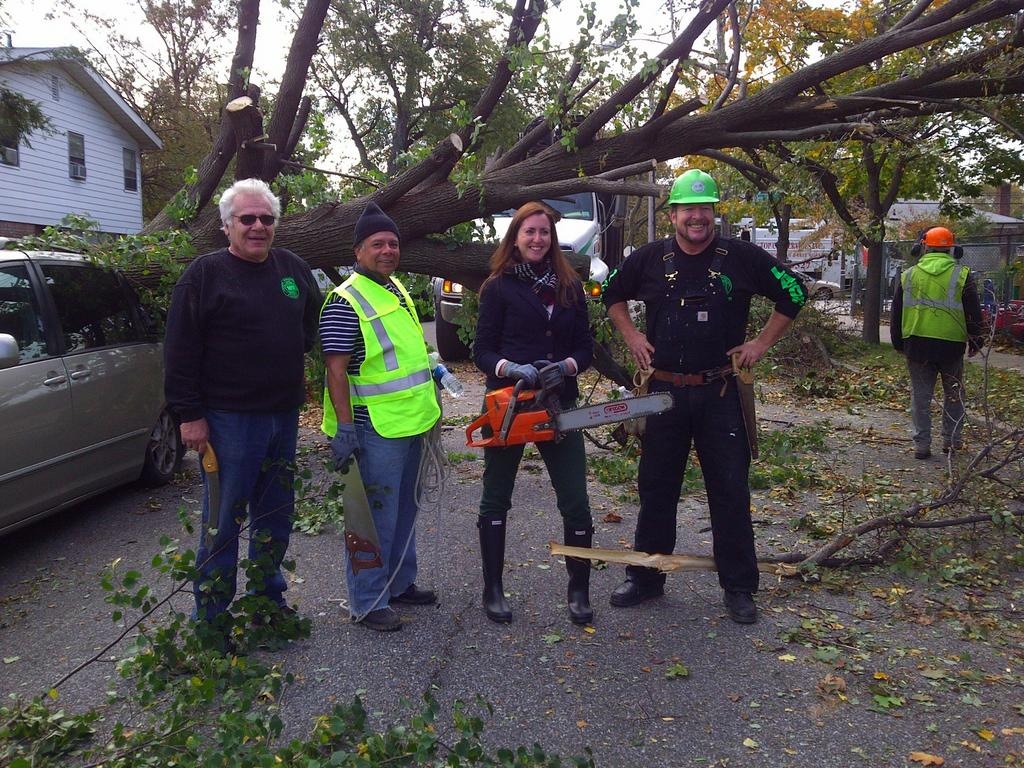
(76,155)
(131,170)
(9,148)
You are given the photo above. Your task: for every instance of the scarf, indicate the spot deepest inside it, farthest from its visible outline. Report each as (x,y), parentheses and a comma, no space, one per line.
(541,277)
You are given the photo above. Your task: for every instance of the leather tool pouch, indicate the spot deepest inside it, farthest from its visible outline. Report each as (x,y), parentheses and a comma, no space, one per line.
(635,427)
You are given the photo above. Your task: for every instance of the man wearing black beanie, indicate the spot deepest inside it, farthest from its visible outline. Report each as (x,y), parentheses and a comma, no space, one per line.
(379,402)
(372,220)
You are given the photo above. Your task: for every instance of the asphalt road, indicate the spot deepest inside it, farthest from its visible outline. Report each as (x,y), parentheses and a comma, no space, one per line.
(750,697)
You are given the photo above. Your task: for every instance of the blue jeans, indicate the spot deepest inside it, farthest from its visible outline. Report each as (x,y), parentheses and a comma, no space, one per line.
(712,422)
(388,466)
(256,454)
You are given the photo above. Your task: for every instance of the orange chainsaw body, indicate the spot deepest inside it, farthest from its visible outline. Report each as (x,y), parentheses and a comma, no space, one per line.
(531,422)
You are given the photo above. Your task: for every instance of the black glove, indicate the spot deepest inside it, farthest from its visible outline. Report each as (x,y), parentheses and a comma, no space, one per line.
(524,373)
(551,375)
(344,444)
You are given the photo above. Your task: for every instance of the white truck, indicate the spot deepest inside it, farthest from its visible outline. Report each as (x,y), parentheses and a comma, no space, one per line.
(585,229)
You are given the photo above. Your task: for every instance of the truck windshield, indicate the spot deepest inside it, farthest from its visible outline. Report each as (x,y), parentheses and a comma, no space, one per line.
(577,206)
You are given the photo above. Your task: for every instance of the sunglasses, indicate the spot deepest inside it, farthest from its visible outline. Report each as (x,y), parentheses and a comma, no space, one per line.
(248,219)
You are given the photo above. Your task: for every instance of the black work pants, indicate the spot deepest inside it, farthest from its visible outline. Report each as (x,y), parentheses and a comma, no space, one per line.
(713,423)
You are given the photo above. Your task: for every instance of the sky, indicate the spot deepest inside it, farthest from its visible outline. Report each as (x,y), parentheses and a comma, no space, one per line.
(29,26)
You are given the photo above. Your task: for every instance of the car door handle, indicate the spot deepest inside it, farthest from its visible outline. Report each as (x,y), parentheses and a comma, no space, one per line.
(81,373)
(55,379)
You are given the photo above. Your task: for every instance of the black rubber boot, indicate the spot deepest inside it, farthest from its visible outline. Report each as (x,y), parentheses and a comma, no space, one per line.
(492,553)
(578,594)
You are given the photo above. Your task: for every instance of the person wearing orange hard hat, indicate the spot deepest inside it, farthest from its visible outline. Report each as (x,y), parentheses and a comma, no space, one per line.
(936,316)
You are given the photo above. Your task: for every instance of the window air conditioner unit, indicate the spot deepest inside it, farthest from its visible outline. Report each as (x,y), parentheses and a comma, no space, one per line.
(9,155)
(77,170)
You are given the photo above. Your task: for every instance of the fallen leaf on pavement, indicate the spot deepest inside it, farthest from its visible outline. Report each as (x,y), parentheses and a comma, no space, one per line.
(925,759)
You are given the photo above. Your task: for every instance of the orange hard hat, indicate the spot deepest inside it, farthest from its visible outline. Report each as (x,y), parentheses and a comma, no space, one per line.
(940,237)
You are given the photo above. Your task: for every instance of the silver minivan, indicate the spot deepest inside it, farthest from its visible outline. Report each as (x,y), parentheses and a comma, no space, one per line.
(81,387)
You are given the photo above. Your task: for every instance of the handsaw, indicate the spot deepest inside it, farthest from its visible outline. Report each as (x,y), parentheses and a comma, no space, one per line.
(211,468)
(361,540)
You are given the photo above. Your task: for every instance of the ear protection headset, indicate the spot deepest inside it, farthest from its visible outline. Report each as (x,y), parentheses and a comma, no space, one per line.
(937,237)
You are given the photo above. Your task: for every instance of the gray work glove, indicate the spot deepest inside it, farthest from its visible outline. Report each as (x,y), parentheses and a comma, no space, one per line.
(344,444)
(551,375)
(524,373)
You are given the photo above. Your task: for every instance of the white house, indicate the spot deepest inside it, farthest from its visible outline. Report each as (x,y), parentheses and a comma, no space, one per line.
(87,164)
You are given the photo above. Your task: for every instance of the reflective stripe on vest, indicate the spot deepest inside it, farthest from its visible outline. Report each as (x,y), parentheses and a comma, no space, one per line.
(388,387)
(925,315)
(394,381)
(387,346)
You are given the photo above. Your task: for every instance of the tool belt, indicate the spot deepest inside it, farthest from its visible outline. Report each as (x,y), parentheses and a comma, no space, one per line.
(698,379)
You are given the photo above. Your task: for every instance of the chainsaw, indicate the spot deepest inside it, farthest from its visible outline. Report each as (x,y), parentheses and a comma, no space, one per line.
(515,415)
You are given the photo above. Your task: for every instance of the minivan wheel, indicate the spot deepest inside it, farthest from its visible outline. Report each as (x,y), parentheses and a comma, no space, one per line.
(163,452)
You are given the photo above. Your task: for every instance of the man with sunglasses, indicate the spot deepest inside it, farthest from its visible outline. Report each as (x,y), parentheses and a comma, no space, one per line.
(240,321)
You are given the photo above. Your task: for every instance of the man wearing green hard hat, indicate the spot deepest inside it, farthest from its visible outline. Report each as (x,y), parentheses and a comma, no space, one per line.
(696,287)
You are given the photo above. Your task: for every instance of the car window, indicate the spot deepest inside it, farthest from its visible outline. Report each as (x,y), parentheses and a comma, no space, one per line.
(19,313)
(93,307)
(577,206)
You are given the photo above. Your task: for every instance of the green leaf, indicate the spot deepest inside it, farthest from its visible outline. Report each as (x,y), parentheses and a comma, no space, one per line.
(677,670)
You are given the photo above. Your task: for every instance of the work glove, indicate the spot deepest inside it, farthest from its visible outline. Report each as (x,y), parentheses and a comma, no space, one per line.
(552,375)
(524,373)
(343,445)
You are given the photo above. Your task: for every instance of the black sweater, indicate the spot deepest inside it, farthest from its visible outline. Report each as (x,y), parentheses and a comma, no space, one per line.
(237,332)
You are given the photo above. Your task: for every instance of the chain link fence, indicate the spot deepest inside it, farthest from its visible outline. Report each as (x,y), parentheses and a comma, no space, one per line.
(992,262)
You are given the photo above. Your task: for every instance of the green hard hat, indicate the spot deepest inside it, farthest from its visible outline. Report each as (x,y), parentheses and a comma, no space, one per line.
(693,186)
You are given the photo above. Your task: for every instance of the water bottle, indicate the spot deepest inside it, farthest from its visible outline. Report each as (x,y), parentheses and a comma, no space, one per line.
(448,380)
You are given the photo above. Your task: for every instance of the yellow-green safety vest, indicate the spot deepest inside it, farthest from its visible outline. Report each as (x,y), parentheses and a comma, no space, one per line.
(932,298)
(394,381)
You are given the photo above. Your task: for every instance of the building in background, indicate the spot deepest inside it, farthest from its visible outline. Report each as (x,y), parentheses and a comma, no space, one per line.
(89,161)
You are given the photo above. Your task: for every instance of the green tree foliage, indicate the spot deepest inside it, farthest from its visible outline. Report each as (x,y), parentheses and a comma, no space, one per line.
(171,84)
(923,150)
(395,72)
(19,117)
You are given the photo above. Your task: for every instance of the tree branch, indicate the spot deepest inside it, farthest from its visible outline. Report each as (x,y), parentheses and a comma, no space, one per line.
(522,27)
(747,169)
(678,49)
(304,45)
(212,167)
(733,67)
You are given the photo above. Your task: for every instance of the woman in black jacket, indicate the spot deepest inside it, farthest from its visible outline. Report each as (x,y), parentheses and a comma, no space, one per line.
(533,317)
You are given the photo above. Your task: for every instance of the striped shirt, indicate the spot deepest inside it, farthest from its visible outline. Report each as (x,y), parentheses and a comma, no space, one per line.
(340,335)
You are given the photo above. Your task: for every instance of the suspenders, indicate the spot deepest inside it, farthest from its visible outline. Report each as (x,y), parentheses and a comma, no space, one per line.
(669,260)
